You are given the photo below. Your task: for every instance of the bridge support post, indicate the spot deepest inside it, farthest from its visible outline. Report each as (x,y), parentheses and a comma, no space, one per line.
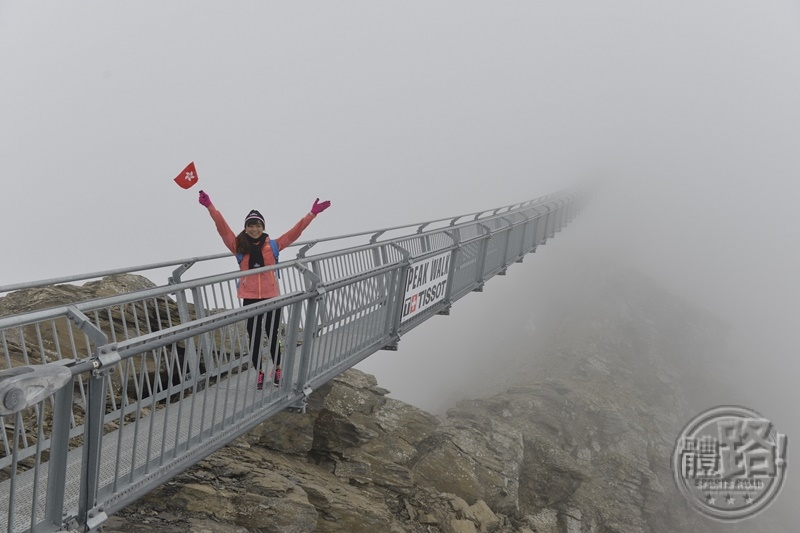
(92,447)
(395,301)
(509,232)
(525,236)
(190,354)
(482,258)
(103,361)
(59,446)
(291,350)
(308,340)
(312,285)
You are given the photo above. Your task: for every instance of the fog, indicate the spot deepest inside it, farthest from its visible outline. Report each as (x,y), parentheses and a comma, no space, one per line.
(405,112)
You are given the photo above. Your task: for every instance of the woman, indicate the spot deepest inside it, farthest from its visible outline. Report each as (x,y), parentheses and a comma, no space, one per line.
(253,249)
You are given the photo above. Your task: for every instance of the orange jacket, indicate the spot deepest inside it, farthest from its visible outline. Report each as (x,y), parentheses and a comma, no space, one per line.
(263,285)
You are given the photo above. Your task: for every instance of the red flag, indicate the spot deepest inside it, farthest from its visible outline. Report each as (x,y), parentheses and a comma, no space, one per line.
(188,177)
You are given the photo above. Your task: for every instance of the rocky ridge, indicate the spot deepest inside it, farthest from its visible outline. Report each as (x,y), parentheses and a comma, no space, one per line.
(579,441)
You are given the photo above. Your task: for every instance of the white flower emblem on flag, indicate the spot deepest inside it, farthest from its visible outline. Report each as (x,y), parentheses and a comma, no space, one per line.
(187,177)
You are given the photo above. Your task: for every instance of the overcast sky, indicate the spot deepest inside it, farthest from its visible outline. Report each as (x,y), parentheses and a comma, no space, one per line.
(397,112)
(407,111)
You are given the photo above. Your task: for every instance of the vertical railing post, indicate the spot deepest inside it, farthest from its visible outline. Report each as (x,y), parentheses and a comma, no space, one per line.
(551,221)
(59,447)
(394,304)
(104,358)
(292,331)
(424,240)
(317,277)
(509,231)
(455,236)
(524,241)
(541,225)
(92,444)
(190,353)
(534,223)
(380,256)
(204,353)
(397,289)
(308,341)
(482,252)
(312,281)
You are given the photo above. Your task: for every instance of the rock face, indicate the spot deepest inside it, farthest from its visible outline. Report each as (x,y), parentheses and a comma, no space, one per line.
(578,442)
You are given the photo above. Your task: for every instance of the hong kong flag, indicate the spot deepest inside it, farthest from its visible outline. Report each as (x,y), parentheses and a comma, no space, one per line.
(188,177)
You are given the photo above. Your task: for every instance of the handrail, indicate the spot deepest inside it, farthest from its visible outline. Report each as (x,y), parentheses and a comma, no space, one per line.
(103,273)
(164,264)
(162,376)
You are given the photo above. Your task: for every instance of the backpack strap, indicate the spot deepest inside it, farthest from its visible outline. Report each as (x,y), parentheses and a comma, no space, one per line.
(274,244)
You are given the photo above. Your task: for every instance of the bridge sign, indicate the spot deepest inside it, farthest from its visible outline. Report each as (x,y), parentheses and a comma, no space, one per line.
(426,284)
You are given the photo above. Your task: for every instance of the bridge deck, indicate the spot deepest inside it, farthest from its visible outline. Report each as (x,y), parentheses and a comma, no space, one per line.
(157,433)
(176,431)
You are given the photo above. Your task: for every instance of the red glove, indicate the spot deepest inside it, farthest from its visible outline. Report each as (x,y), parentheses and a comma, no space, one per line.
(319,207)
(205,201)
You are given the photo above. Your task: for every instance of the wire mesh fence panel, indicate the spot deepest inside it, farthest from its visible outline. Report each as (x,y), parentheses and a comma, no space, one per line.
(495,253)
(350,319)
(465,274)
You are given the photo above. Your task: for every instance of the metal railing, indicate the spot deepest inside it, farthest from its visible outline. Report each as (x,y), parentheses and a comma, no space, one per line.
(103,400)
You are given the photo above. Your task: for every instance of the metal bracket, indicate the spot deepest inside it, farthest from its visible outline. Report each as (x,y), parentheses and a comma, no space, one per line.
(391,346)
(302,253)
(86,325)
(108,356)
(96,518)
(479,288)
(321,293)
(311,278)
(405,253)
(456,240)
(302,404)
(178,272)
(374,238)
(69,525)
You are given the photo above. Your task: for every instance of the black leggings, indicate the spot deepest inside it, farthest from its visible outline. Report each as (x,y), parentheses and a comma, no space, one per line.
(254,329)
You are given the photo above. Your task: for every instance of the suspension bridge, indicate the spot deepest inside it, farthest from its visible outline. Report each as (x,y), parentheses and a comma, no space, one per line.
(103,400)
